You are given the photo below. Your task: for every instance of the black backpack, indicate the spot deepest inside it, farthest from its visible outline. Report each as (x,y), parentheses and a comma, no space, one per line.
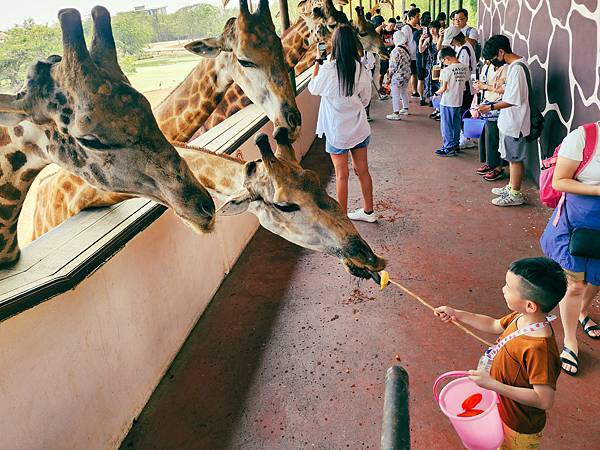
(537,118)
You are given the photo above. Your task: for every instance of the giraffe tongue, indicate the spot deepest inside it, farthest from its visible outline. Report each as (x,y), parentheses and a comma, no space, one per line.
(376,277)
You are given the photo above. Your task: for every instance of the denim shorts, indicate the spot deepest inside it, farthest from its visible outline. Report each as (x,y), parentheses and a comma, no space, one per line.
(340,151)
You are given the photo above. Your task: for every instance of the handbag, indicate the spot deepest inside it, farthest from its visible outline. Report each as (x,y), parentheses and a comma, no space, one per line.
(585,242)
(537,118)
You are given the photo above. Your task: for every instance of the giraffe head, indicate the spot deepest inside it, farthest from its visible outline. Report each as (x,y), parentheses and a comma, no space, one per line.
(100,128)
(369,38)
(254,55)
(291,202)
(323,17)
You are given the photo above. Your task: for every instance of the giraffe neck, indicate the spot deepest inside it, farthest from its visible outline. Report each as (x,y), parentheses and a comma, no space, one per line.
(222,174)
(21,149)
(295,41)
(188,106)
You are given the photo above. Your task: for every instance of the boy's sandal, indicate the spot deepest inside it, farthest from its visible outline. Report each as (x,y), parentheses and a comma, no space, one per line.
(587,330)
(574,363)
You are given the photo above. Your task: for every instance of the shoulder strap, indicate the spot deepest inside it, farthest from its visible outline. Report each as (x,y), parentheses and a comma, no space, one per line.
(529,85)
(591,141)
(464,47)
(493,351)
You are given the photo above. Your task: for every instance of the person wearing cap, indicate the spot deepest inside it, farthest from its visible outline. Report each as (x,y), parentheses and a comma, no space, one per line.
(453,37)
(399,75)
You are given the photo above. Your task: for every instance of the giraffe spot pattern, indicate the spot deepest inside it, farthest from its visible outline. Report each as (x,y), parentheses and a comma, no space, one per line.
(9,192)
(16,159)
(6,212)
(559,40)
(4,137)
(18,130)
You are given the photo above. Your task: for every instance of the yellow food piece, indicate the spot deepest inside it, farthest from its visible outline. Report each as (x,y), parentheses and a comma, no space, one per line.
(385,280)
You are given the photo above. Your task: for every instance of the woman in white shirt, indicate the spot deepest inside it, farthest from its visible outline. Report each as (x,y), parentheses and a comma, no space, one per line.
(580,210)
(345,89)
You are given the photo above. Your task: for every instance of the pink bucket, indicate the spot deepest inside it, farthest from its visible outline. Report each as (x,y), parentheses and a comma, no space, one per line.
(482,432)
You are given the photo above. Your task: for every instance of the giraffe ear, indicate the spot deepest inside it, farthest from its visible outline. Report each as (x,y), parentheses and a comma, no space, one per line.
(12,110)
(207,47)
(235,205)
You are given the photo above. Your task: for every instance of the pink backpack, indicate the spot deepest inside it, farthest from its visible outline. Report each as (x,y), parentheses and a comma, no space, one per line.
(550,196)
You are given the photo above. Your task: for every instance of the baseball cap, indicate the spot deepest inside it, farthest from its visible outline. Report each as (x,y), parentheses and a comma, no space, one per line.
(450,33)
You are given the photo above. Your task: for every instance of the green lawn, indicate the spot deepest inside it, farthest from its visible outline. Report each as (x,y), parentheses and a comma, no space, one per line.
(162,72)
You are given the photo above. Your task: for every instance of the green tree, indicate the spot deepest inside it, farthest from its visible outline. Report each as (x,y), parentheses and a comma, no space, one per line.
(23,46)
(132,32)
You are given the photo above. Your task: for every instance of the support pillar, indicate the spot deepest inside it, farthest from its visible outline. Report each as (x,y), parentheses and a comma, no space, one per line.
(284,16)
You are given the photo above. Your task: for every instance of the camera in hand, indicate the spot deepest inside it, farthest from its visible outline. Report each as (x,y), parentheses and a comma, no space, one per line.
(322,46)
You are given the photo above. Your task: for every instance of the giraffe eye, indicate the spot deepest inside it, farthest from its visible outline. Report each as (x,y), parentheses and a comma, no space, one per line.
(92,142)
(287,207)
(245,63)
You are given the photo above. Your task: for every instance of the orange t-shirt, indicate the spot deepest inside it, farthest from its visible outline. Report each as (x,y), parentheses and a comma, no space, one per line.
(523,362)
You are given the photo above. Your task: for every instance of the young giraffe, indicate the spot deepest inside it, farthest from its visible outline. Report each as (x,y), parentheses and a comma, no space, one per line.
(248,52)
(78,112)
(299,46)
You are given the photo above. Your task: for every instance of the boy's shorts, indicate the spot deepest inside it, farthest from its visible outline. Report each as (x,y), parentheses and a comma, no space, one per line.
(513,149)
(520,441)
(413,66)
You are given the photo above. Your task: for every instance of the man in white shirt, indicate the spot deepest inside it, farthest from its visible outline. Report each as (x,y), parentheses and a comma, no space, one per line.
(514,122)
(414,18)
(461,17)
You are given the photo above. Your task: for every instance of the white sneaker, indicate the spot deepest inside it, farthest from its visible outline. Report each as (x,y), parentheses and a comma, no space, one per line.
(509,200)
(404,112)
(501,191)
(393,117)
(468,143)
(360,214)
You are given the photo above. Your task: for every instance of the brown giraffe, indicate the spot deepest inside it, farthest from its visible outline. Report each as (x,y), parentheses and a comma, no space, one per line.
(248,52)
(317,21)
(78,112)
(287,199)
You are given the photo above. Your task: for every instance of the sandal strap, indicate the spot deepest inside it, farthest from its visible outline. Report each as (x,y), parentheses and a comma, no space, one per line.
(570,352)
(585,320)
(591,328)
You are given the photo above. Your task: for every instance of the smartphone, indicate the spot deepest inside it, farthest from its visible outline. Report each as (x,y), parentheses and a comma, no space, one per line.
(473,77)
(322,46)
(425,31)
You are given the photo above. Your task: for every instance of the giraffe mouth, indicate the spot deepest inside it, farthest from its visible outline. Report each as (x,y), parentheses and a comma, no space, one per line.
(363,271)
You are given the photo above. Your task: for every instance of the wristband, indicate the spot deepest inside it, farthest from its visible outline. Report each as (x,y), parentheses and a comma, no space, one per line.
(319,61)
(492,107)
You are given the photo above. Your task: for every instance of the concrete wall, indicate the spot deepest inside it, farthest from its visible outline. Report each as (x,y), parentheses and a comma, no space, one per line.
(561,41)
(77,369)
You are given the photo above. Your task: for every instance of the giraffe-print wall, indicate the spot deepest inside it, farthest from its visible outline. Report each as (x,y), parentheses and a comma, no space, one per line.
(561,41)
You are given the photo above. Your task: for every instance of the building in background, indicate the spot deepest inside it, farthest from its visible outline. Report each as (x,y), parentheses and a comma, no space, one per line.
(151,11)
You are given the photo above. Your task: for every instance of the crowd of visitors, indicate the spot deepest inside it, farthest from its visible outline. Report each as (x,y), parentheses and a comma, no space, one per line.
(448,67)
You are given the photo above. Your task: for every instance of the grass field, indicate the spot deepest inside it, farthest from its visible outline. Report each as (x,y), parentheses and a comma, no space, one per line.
(161,72)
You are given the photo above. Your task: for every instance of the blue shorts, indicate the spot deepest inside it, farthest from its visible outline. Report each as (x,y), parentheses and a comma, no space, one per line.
(341,151)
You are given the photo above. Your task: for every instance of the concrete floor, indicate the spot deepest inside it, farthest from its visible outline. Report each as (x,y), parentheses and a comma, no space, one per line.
(292,351)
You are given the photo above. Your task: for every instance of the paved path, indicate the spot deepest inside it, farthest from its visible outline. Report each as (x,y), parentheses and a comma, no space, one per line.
(292,352)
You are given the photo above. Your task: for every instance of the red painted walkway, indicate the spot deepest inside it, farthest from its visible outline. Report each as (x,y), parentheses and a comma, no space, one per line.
(292,351)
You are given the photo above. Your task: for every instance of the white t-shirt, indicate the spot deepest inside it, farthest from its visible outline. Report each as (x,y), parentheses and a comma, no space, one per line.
(455,75)
(470,32)
(368,60)
(515,121)
(411,44)
(572,148)
(343,120)
(470,62)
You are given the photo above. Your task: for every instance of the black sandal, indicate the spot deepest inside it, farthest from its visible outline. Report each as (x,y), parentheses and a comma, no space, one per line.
(590,328)
(574,363)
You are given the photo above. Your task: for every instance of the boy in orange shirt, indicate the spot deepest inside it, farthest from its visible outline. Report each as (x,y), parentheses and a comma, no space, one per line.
(525,369)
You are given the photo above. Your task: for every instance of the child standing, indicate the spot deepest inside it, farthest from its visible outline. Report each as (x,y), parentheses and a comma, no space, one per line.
(525,369)
(453,80)
(399,76)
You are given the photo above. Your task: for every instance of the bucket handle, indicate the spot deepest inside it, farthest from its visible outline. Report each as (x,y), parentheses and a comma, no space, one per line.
(451,374)
(479,118)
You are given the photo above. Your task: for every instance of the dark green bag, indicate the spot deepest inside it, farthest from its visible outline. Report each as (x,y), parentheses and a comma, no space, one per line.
(585,243)
(537,118)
